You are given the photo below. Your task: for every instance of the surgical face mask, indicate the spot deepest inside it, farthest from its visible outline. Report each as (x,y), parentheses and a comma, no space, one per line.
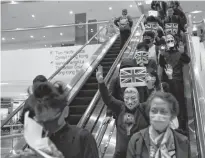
(159,122)
(131,100)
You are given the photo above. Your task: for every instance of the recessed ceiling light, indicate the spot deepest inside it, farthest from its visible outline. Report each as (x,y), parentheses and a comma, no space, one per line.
(110,8)
(44,36)
(45,45)
(194,17)
(50,45)
(61,34)
(33,16)
(13,2)
(3,39)
(196,11)
(130,6)
(31,36)
(13,38)
(71,12)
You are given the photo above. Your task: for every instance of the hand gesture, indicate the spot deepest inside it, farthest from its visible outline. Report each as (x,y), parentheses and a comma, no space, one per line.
(99,74)
(169,71)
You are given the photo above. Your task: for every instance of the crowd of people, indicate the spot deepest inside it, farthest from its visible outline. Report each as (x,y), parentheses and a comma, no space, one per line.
(151,119)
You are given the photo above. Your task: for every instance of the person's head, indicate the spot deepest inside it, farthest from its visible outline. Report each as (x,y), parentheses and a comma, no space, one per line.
(50,105)
(170,11)
(142,46)
(127,62)
(162,109)
(124,12)
(170,41)
(152,79)
(165,87)
(148,38)
(39,78)
(131,98)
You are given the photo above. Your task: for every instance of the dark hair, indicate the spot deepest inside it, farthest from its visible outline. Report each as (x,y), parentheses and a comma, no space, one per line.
(47,95)
(127,62)
(151,19)
(165,87)
(39,78)
(142,45)
(149,33)
(168,97)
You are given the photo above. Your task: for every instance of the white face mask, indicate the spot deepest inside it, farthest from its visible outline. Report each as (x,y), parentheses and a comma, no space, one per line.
(159,122)
(170,45)
(170,41)
(150,80)
(131,98)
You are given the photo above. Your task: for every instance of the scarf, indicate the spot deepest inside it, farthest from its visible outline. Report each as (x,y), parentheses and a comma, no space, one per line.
(162,145)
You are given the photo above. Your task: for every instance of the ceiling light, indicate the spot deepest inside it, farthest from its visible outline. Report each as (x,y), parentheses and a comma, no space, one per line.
(13,38)
(31,36)
(194,17)
(45,45)
(50,45)
(3,39)
(3,83)
(196,11)
(71,12)
(61,34)
(44,36)
(33,16)
(110,8)
(130,6)
(13,2)
(139,3)
(62,44)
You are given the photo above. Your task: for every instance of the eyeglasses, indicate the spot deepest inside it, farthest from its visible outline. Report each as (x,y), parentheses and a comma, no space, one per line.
(170,41)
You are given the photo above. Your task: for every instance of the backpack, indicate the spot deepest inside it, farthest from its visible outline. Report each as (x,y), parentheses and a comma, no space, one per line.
(124,24)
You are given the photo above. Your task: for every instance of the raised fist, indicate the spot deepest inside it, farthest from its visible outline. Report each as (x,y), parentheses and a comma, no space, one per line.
(99,74)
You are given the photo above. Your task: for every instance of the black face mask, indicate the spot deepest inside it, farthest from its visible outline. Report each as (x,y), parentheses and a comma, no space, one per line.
(147,41)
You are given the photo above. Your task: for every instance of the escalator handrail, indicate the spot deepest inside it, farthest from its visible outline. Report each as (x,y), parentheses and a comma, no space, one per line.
(91,106)
(4,122)
(197,92)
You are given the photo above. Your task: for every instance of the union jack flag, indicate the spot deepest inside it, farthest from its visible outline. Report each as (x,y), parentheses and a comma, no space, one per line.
(133,77)
(141,57)
(171,28)
(151,27)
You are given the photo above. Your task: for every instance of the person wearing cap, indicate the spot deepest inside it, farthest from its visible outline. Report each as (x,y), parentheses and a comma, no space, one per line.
(27,104)
(124,23)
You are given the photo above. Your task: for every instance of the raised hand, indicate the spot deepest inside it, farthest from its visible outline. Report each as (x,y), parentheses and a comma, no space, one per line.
(99,74)
(169,71)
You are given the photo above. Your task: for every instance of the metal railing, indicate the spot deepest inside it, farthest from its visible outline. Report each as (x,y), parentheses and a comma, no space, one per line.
(4,122)
(91,106)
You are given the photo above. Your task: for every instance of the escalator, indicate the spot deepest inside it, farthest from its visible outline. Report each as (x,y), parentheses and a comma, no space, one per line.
(87,92)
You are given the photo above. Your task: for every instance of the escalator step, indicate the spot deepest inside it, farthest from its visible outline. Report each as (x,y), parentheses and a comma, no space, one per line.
(81,101)
(112,55)
(87,93)
(92,80)
(90,86)
(80,109)
(74,119)
(106,63)
(108,59)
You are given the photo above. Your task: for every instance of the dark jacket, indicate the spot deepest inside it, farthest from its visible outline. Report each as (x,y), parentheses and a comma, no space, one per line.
(27,107)
(75,142)
(181,15)
(139,145)
(161,7)
(176,60)
(119,109)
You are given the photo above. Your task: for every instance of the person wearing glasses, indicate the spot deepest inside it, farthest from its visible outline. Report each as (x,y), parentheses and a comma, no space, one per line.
(171,62)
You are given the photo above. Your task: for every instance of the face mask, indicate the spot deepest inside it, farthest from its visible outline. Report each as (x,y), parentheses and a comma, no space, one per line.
(170,44)
(52,126)
(147,41)
(159,122)
(141,58)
